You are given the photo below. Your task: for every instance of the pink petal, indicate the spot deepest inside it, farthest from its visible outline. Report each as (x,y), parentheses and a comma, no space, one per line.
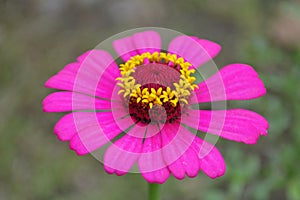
(96,62)
(94,74)
(233,82)
(238,125)
(89,139)
(147,41)
(210,47)
(152,129)
(100,130)
(258,121)
(200,155)
(70,68)
(194,50)
(186,164)
(107,84)
(125,47)
(178,155)
(110,124)
(65,81)
(66,127)
(70,123)
(95,66)
(83,56)
(68,101)
(121,155)
(151,162)
(210,159)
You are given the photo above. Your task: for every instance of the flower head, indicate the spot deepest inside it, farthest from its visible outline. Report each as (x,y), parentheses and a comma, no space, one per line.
(147,109)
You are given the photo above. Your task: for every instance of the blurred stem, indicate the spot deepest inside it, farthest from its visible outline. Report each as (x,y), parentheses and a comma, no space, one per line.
(153,191)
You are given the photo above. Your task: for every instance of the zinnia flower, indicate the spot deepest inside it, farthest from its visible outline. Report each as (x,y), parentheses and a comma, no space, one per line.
(146,108)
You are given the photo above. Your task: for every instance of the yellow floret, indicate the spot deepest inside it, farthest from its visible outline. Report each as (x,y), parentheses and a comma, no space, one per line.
(181,93)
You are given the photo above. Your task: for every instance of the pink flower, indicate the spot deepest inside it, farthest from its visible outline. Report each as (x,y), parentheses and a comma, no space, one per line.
(147,106)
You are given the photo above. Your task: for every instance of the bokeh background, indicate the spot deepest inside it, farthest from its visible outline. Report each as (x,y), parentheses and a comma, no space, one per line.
(37,38)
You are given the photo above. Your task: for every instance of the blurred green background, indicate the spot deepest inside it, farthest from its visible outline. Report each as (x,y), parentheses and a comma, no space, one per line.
(37,38)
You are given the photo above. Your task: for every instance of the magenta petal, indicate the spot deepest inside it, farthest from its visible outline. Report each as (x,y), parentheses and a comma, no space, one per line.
(68,101)
(110,124)
(210,47)
(71,123)
(210,159)
(152,129)
(107,84)
(186,163)
(147,41)
(94,74)
(195,51)
(125,47)
(100,130)
(70,68)
(63,81)
(233,82)
(85,130)
(178,155)
(65,128)
(238,124)
(151,162)
(95,62)
(101,71)
(84,55)
(122,154)
(258,121)
(89,139)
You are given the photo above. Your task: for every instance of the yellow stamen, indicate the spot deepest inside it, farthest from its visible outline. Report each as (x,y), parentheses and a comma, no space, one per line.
(182,89)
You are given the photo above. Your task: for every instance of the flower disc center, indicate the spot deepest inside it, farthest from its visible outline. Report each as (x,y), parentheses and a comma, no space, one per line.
(154,75)
(156,86)
(141,113)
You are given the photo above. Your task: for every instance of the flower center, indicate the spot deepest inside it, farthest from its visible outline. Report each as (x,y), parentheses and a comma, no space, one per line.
(155,75)
(157,86)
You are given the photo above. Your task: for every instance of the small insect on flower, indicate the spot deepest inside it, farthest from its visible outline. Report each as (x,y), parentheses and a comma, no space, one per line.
(146,108)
